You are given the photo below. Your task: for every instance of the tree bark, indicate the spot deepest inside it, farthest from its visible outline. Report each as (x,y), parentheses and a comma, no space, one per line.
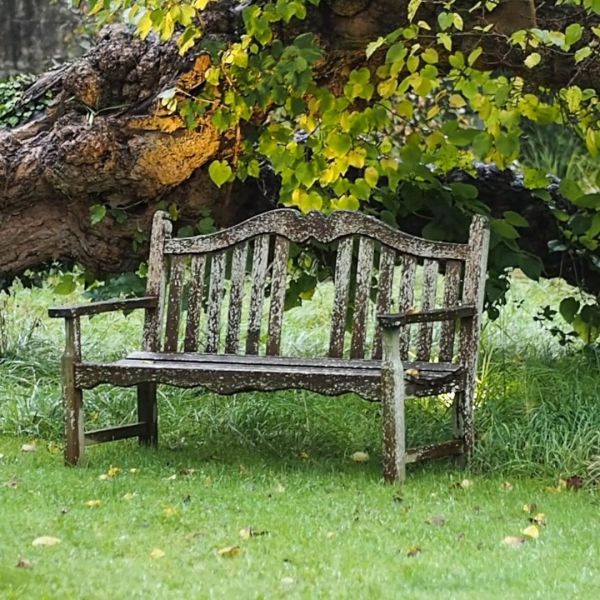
(105,140)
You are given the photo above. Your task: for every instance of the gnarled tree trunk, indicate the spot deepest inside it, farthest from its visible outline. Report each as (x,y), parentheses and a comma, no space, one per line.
(106,141)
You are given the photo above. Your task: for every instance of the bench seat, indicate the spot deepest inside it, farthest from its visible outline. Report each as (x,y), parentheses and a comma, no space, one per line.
(229,373)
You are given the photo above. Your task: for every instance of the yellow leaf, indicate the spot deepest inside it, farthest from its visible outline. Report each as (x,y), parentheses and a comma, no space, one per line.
(229,551)
(156,554)
(539,519)
(413,551)
(411,372)
(507,486)
(46,540)
(532,531)
(169,512)
(94,503)
(113,471)
(360,457)
(530,507)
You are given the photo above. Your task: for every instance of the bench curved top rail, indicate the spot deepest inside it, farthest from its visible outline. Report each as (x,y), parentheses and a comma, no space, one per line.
(299,228)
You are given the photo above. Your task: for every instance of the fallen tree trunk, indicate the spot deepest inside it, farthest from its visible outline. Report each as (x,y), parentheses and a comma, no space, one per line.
(105,140)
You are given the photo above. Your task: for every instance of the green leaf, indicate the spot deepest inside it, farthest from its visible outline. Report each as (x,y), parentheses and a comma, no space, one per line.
(66,285)
(570,189)
(220,172)
(504,230)
(97,213)
(568,308)
(533,60)
(515,219)
(573,33)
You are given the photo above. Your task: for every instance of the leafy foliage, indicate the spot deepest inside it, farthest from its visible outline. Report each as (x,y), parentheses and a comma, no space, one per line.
(13,111)
(422,104)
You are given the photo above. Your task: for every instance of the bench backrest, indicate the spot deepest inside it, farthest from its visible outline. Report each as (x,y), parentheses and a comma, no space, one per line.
(239,276)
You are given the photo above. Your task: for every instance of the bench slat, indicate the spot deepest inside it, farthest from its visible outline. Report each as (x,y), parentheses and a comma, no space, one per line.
(259,276)
(384,293)
(364,269)
(155,286)
(340,301)
(405,303)
(236,296)
(278,288)
(344,363)
(451,295)
(195,303)
(215,301)
(301,228)
(174,304)
(430,268)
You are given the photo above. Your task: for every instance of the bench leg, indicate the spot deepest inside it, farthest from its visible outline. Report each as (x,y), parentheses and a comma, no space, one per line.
(72,396)
(463,422)
(74,435)
(148,413)
(392,388)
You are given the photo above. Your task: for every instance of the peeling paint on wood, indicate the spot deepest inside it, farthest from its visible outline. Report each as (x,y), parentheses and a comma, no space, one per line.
(387,377)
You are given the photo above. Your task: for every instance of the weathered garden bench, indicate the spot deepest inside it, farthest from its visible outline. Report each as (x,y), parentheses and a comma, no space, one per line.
(241,274)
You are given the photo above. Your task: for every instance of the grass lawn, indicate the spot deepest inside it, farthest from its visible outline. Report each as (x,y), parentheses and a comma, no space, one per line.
(323,529)
(138,523)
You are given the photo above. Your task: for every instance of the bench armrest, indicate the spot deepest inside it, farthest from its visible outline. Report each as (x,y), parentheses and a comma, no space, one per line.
(94,308)
(390,321)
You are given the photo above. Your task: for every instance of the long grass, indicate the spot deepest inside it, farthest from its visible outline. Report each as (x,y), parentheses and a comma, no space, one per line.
(538,407)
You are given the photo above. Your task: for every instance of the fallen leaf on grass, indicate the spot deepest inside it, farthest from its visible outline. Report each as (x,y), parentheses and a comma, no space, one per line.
(465,484)
(530,507)
(507,486)
(280,489)
(532,532)
(12,484)
(437,521)
(514,540)
(413,551)
(133,471)
(187,472)
(94,503)
(539,519)
(169,512)
(113,471)
(46,540)
(304,456)
(330,535)
(248,532)
(360,457)
(103,477)
(24,563)
(229,551)
(157,553)
(29,447)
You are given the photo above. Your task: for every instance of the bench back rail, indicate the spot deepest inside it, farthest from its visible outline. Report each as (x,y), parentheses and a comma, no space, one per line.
(225,292)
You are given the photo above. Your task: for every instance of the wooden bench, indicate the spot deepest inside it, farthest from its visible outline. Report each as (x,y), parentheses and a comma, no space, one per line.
(201,290)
